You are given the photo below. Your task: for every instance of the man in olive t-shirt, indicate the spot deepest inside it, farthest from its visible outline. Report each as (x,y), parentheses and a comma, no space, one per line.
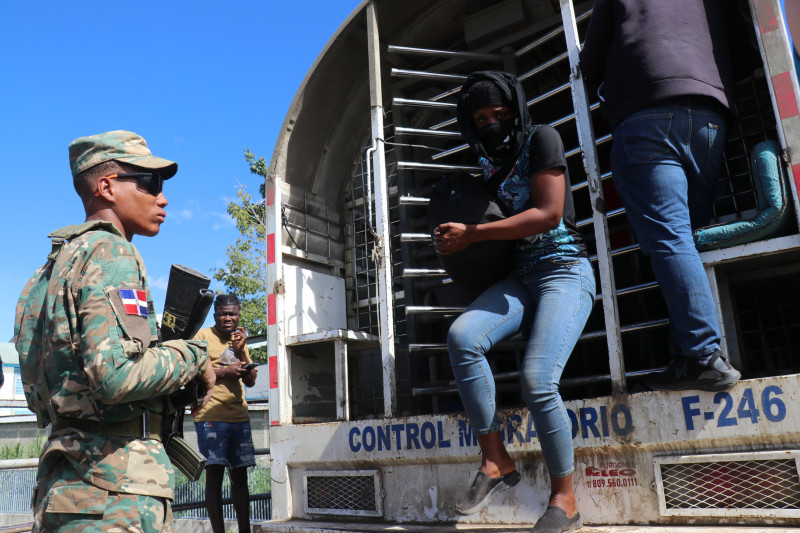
(223,424)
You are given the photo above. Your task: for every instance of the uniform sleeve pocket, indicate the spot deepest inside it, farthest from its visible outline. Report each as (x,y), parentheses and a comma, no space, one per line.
(76,498)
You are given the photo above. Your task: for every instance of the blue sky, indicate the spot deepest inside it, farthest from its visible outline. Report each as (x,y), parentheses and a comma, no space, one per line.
(200,80)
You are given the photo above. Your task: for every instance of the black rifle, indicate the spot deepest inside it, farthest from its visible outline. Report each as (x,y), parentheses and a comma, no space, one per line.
(185,309)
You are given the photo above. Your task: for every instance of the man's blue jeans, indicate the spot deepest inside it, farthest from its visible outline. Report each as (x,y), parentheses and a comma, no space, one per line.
(555,299)
(666,162)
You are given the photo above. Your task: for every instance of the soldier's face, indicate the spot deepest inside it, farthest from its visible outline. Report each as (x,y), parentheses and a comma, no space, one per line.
(140,212)
(226,318)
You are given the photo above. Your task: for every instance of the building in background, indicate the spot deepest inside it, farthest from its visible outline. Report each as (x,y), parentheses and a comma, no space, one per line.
(12,386)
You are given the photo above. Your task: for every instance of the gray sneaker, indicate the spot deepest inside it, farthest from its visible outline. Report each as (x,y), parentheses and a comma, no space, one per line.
(555,520)
(483,489)
(686,373)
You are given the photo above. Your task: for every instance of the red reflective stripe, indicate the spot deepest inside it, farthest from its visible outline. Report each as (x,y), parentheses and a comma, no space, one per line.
(271,318)
(274,423)
(784,95)
(767,20)
(270,195)
(273,372)
(270,248)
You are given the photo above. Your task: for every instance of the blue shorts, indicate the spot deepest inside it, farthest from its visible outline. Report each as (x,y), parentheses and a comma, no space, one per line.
(226,443)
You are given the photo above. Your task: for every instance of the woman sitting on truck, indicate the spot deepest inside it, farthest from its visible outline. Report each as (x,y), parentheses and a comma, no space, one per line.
(549,294)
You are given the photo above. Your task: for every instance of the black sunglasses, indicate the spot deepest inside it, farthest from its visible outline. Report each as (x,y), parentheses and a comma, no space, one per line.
(146,181)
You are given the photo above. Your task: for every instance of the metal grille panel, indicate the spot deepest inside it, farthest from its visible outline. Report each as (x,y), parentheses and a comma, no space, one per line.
(758,487)
(18,498)
(348,493)
(766,306)
(365,366)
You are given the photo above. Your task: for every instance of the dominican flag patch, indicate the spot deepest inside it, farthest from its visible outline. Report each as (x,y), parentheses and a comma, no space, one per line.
(134,302)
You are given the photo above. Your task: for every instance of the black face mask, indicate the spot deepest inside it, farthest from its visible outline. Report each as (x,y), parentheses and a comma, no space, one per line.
(497,138)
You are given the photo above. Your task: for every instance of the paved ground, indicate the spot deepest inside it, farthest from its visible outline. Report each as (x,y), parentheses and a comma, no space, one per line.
(298,526)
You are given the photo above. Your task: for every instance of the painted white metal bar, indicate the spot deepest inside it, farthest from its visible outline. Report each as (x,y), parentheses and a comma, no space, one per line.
(548,94)
(597,142)
(587,221)
(415,237)
(414,200)
(310,258)
(279,393)
(444,124)
(758,248)
(776,52)
(279,383)
(637,288)
(506,378)
(399,130)
(383,241)
(342,388)
(445,94)
(22,404)
(433,310)
(346,335)
(406,73)
(591,164)
(581,185)
(478,56)
(413,165)
(423,272)
(360,304)
(13,464)
(560,121)
(432,346)
(544,66)
(421,103)
(451,151)
(531,102)
(543,39)
(715,294)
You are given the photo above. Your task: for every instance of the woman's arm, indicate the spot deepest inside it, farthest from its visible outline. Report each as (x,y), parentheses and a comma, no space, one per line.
(547,192)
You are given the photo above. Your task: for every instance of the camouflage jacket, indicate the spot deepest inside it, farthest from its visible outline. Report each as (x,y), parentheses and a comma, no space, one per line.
(86,335)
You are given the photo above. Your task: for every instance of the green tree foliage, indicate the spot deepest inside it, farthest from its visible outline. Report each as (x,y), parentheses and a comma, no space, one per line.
(245,273)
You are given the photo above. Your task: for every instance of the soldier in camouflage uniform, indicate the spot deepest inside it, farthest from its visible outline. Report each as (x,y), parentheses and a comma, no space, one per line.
(90,362)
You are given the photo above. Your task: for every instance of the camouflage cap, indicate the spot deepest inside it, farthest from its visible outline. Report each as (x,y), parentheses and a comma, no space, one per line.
(120,145)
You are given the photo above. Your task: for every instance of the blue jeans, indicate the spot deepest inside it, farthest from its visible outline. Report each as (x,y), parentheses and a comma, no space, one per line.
(226,443)
(666,162)
(553,300)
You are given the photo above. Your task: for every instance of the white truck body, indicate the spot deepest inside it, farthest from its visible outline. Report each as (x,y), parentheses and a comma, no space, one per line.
(365,421)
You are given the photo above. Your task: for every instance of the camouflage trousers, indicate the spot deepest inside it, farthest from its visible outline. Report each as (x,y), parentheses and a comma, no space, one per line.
(64,503)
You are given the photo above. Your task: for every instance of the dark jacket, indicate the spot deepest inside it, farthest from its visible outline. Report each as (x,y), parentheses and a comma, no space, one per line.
(647,51)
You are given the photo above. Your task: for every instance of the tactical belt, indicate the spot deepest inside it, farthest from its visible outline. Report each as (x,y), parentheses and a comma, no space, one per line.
(145,426)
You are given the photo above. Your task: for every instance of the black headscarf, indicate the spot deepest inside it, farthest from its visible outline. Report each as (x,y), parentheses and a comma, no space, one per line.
(512,95)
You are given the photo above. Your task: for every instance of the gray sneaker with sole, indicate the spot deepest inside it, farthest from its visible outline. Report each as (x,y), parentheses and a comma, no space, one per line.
(687,373)
(483,489)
